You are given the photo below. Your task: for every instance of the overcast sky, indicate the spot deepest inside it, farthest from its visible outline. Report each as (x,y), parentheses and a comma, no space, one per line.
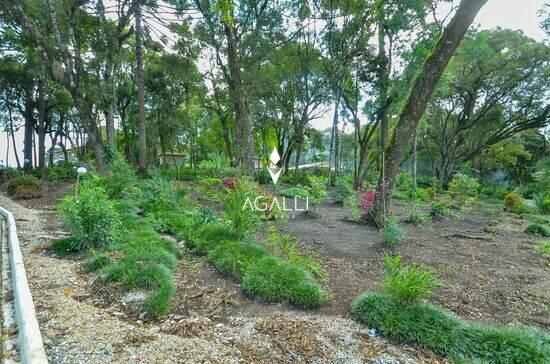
(513,14)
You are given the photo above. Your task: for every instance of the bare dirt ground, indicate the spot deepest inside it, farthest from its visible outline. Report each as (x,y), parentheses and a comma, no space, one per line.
(489,268)
(83,320)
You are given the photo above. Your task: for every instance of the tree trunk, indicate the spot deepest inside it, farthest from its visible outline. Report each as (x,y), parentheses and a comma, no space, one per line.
(142,159)
(418,98)
(12,132)
(41,125)
(245,137)
(29,131)
(383,83)
(334,136)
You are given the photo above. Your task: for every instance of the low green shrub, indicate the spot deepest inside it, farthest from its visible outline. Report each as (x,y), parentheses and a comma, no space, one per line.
(235,257)
(420,194)
(159,195)
(514,202)
(407,284)
(24,187)
(542,200)
(544,247)
(352,207)
(404,181)
(445,334)
(277,280)
(262,176)
(317,190)
(293,192)
(207,237)
(210,181)
(400,196)
(440,208)
(343,189)
(416,216)
(463,187)
(91,216)
(537,229)
(392,233)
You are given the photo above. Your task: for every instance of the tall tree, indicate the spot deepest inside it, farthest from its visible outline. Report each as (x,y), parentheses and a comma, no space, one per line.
(415,105)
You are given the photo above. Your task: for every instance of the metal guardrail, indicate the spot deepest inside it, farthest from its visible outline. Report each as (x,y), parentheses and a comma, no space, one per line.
(30,339)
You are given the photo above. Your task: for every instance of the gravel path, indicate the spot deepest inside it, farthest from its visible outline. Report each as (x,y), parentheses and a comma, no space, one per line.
(75,331)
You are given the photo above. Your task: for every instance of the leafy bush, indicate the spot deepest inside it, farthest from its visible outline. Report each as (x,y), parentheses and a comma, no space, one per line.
(445,334)
(416,216)
(235,257)
(158,195)
(91,217)
(420,194)
(216,164)
(537,229)
(25,187)
(210,181)
(407,284)
(404,181)
(400,196)
(343,188)
(262,176)
(351,206)
(464,187)
(9,173)
(238,207)
(392,233)
(440,208)
(317,190)
(542,200)
(295,192)
(278,280)
(514,202)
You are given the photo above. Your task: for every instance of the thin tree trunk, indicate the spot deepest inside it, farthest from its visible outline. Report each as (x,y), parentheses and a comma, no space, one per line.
(142,158)
(245,137)
(41,125)
(12,132)
(29,124)
(418,98)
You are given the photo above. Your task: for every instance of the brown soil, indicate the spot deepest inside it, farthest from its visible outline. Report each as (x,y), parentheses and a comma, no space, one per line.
(489,268)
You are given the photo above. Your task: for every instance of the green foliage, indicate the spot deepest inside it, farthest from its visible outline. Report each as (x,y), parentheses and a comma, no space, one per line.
(404,181)
(239,209)
(343,189)
(445,334)
(235,257)
(440,208)
(463,187)
(295,192)
(210,181)
(216,165)
(286,247)
(91,217)
(421,194)
(544,247)
(542,200)
(537,229)
(159,195)
(514,202)
(24,186)
(317,190)
(351,206)
(262,176)
(278,280)
(392,233)
(207,237)
(416,216)
(407,284)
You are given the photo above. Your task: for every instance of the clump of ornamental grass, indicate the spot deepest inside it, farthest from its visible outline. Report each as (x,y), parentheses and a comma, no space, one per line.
(239,207)
(407,283)
(277,280)
(295,192)
(25,187)
(416,216)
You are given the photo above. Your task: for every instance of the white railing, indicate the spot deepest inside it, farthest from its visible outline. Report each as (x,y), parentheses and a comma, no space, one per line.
(30,339)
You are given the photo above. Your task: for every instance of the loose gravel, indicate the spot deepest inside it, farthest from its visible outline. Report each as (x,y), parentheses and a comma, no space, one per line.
(75,331)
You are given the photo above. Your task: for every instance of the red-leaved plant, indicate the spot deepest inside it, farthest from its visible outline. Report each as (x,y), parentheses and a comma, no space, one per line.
(367,200)
(229,183)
